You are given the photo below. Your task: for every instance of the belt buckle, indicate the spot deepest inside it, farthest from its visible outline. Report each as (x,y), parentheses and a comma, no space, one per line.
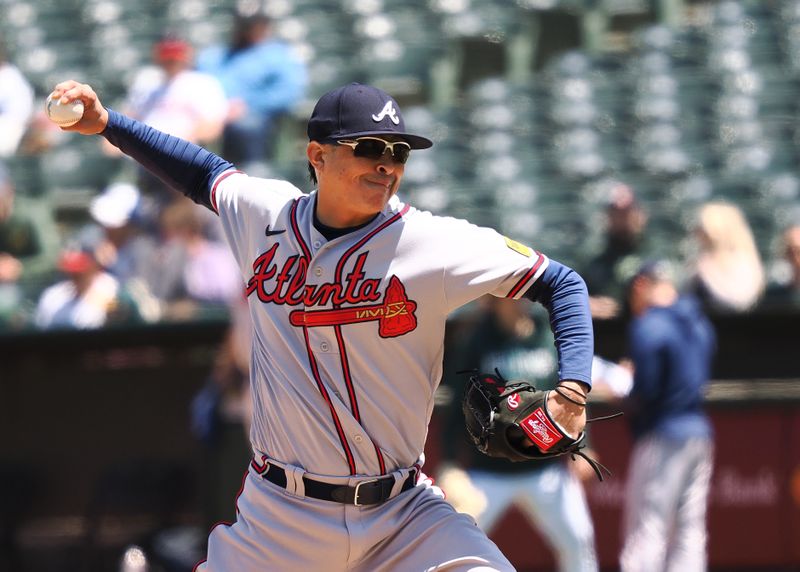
(358,487)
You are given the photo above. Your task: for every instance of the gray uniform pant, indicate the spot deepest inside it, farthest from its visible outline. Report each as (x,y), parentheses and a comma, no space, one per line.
(281,529)
(665,513)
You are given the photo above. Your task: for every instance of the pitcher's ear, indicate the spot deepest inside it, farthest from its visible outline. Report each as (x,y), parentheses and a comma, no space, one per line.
(315,152)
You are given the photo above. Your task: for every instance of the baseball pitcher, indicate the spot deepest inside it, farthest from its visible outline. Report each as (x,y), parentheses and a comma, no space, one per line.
(349,289)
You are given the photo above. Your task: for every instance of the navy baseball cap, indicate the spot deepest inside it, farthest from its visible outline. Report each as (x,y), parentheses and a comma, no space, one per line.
(655,269)
(358,110)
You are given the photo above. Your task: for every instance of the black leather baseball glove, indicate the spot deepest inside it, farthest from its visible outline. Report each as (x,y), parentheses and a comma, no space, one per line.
(511,420)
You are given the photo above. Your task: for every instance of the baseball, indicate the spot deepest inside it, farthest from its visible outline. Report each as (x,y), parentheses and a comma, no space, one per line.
(63,115)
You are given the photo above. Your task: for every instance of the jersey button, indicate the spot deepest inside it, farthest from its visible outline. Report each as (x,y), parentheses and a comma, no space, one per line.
(358,438)
(318,271)
(324,346)
(317,244)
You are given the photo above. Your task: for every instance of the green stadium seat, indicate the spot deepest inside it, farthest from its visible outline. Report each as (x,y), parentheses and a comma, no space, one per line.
(25,172)
(683,114)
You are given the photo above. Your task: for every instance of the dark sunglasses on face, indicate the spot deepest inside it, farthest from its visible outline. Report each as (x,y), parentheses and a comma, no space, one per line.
(374,148)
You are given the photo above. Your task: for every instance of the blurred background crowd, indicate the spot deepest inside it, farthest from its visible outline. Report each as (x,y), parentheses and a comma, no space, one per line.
(601,132)
(605,133)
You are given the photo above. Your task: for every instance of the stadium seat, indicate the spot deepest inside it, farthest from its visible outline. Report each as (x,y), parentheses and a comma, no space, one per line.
(678,112)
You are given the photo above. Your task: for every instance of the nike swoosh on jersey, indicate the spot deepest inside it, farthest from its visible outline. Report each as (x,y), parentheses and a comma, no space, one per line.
(268,232)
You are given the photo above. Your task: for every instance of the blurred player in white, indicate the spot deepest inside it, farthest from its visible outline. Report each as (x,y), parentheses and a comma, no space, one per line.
(174,98)
(349,290)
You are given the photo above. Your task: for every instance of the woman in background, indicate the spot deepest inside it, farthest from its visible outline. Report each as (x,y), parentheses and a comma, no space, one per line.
(728,275)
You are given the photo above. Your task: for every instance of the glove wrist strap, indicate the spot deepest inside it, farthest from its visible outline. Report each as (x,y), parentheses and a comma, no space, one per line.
(560,390)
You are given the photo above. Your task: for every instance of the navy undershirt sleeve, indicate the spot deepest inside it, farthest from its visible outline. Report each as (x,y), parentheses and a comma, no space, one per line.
(563,292)
(183,166)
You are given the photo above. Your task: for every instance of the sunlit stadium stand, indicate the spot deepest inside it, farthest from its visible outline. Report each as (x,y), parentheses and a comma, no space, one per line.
(683,108)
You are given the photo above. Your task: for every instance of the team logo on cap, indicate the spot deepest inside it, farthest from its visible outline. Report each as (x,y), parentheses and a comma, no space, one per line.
(387,111)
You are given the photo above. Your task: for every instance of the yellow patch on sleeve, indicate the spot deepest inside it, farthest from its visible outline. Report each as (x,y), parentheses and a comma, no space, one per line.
(518,247)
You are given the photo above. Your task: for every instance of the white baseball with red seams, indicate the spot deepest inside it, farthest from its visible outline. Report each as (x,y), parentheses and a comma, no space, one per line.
(63,114)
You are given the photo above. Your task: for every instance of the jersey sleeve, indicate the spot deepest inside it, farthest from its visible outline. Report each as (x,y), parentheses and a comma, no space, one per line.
(479,260)
(246,206)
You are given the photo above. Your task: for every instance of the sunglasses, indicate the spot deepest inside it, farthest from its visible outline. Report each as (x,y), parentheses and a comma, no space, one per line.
(374,148)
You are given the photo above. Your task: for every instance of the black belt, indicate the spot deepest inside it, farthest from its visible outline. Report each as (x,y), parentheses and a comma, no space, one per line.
(369,492)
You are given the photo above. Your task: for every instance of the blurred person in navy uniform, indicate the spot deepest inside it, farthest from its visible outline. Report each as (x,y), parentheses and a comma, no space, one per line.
(510,336)
(262,77)
(624,250)
(671,345)
(785,292)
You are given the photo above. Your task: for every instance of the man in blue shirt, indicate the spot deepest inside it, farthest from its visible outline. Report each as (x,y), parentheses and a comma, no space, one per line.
(671,344)
(262,77)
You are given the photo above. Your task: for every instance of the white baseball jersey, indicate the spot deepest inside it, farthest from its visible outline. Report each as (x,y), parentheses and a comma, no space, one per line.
(348,333)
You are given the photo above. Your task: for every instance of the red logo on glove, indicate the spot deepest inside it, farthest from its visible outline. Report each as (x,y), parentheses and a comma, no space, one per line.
(513,401)
(540,430)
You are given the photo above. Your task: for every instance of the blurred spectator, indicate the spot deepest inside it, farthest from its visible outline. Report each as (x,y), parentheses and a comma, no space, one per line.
(786,292)
(28,248)
(174,98)
(262,78)
(671,344)
(728,275)
(127,252)
(16,105)
(508,336)
(189,270)
(89,297)
(13,243)
(624,250)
